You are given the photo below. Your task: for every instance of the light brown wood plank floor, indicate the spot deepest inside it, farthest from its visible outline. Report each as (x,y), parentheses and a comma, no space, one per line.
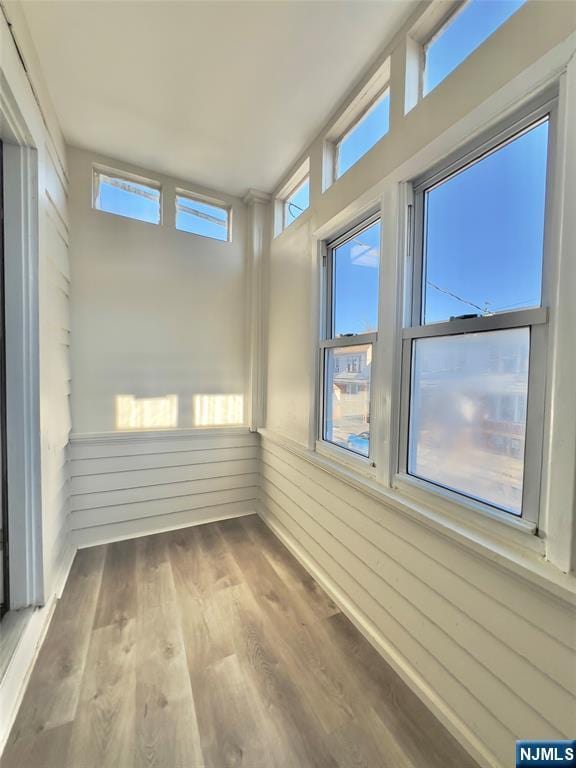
(212,647)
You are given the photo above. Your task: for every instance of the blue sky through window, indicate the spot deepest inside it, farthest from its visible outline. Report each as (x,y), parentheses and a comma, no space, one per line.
(201,218)
(485,232)
(297,203)
(468,29)
(355,276)
(128,198)
(369,130)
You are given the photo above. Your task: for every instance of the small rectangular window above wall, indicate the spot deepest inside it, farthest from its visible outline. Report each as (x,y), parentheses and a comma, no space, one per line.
(293,198)
(445,35)
(351,269)
(473,362)
(362,124)
(203,216)
(126,195)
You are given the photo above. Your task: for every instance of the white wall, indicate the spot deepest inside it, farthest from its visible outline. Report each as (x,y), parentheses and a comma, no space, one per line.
(49,240)
(155,311)
(471,616)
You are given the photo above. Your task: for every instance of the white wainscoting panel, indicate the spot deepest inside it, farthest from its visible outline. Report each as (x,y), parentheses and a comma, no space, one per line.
(129,484)
(492,655)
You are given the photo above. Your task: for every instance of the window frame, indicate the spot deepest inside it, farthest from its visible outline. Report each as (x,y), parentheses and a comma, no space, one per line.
(327,341)
(113,173)
(206,200)
(382,93)
(286,200)
(536,319)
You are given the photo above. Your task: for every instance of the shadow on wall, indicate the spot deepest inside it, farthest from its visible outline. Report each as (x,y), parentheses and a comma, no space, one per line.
(161,412)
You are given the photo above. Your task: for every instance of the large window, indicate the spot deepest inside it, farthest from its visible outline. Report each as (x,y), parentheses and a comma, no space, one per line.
(471,23)
(364,134)
(350,326)
(127,196)
(474,351)
(201,216)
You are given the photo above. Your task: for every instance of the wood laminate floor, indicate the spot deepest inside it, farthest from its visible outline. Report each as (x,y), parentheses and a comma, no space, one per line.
(211,646)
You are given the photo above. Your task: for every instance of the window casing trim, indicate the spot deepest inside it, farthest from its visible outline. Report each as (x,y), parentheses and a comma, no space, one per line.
(207,200)
(543,107)
(103,170)
(328,340)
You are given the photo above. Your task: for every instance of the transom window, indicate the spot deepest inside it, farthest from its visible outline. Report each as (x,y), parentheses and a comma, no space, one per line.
(199,216)
(297,202)
(351,301)
(467,27)
(474,350)
(127,196)
(368,129)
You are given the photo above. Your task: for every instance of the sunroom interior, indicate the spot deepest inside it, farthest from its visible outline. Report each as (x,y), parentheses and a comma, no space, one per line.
(287,383)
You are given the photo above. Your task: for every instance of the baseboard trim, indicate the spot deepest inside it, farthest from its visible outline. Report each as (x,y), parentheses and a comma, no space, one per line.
(398,662)
(133,529)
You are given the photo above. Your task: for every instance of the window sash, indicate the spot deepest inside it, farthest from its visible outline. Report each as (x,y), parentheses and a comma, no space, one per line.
(385,91)
(182,197)
(288,201)
(328,340)
(535,319)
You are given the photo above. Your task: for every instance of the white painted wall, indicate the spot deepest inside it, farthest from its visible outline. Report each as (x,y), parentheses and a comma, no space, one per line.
(473,618)
(155,311)
(49,241)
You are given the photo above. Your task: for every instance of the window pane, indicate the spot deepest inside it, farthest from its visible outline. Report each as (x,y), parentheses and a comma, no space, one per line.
(297,203)
(201,218)
(468,414)
(463,33)
(484,233)
(367,131)
(355,282)
(347,397)
(127,198)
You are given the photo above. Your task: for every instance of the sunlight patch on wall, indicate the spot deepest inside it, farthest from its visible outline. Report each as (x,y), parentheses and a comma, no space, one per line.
(218,410)
(146,412)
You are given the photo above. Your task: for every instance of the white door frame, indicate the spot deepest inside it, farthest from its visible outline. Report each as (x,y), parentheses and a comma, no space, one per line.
(22,354)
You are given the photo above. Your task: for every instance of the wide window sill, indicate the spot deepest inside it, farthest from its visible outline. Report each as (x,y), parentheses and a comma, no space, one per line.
(516,551)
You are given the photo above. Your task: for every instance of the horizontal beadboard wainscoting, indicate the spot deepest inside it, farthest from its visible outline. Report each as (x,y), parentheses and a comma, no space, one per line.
(474,639)
(130,484)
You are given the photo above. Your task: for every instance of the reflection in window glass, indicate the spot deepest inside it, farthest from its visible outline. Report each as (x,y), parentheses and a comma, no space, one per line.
(371,127)
(468,414)
(347,397)
(124,197)
(485,233)
(297,203)
(201,218)
(355,282)
(463,33)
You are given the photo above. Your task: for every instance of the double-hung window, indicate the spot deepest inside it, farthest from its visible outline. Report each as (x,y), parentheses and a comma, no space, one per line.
(474,341)
(350,327)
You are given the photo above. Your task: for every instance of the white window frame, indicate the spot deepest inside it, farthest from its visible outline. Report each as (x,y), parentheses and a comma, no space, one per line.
(198,198)
(359,117)
(376,87)
(363,464)
(536,319)
(102,170)
(295,181)
(287,202)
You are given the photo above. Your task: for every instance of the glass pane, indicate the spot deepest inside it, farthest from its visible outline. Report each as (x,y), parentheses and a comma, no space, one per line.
(367,131)
(128,198)
(468,414)
(347,398)
(201,218)
(355,266)
(484,233)
(297,203)
(463,33)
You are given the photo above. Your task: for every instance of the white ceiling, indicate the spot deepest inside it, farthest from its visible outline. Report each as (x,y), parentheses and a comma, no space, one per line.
(226,94)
